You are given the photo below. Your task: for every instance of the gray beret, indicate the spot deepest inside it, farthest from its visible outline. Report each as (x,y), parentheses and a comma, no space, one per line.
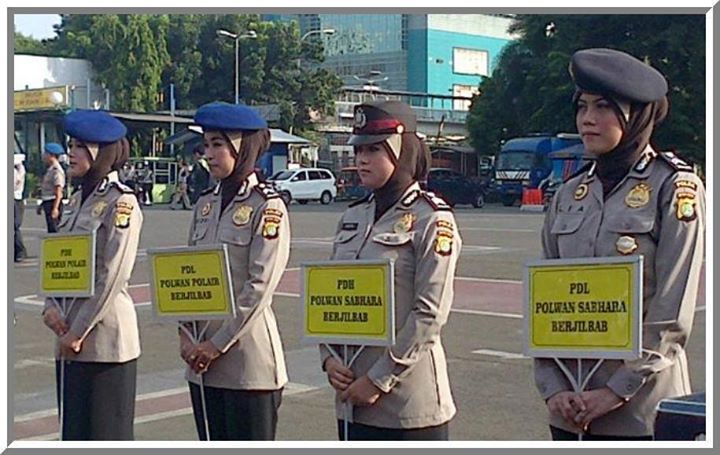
(607,71)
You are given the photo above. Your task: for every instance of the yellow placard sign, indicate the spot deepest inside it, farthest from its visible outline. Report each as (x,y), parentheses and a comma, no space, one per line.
(191,283)
(67,265)
(40,99)
(348,302)
(584,308)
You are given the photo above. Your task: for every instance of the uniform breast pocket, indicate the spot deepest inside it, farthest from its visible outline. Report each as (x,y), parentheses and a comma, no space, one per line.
(392,245)
(199,233)
(345,245)
(632,235)
(567,229)
(240,237)
(87,224)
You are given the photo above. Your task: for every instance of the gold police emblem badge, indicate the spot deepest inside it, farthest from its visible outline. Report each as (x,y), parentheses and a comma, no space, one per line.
(638,196)
(626,244)
(99,208)
(123,210)
(271,227)
(404,224)
(206,209)
(241,216)
(581,191)
(686,207)
(443,242)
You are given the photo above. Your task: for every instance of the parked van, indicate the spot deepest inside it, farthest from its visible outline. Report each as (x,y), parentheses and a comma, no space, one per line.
(524,162)
(349,185)
(305,184)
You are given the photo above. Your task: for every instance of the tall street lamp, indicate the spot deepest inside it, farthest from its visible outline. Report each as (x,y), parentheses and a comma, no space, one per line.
(237,37)
(324,31)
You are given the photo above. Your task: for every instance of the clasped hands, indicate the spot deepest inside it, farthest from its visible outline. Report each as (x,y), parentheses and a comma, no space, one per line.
(580,409)
(69,343)
(358,392)
(198,356)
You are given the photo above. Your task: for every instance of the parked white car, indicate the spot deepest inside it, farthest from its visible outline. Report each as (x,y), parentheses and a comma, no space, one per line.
(305,184)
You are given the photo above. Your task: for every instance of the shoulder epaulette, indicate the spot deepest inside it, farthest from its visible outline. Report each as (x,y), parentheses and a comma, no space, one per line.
(411,198)
(361,201)
(676,162)
(581,171)
(266,191)
(436,202)
(122,187)
(207,191)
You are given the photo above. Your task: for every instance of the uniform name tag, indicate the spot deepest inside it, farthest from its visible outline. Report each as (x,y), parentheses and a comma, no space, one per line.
(349,226)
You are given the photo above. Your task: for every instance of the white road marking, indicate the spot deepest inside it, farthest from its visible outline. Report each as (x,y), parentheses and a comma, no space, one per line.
(291,388)
(27,363)
(501,354)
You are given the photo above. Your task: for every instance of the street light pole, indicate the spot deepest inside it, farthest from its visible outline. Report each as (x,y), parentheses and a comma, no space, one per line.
(237,70)
(324,31)
(237,37)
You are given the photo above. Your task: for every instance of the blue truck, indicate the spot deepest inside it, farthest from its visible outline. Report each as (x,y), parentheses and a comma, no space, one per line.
(524,162)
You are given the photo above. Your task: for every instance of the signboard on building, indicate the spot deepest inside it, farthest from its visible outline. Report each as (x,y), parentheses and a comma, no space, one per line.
(41,99)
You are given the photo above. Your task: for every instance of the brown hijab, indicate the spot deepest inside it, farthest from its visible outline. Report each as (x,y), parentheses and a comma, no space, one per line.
(111,156)
(247,146)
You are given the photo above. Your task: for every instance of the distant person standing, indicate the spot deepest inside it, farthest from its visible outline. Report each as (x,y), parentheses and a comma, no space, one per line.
(200,175)
(53,184)
(18,209)
(181,193)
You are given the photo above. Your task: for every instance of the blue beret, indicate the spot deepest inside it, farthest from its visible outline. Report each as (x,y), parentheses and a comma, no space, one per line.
(90,125)
(607,71)
(54,148)
(224,116)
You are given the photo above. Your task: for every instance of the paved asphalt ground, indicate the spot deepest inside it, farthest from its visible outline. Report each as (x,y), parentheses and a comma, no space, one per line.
(491,380)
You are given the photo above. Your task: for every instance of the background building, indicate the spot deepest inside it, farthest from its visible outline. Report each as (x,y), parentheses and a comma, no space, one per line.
(441,54)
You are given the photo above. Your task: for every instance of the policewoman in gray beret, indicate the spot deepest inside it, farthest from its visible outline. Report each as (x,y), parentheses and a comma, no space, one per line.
(98,339)
(401,392)
(632,200)
(241,359)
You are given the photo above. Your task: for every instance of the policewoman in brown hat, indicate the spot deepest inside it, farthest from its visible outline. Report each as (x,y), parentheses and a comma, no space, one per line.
(97,340)
(401,392)
(632,200)
(241,359)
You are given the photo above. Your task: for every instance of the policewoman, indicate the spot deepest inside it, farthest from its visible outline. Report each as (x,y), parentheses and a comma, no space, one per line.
(401,392)
(52,186)
(98,338)
(632,200)
(241,359)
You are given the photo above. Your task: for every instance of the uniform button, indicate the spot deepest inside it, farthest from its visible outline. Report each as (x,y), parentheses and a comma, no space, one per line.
(564,226)
(628,387)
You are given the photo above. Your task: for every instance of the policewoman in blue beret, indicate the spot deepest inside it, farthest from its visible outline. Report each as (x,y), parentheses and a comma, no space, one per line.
(631,200)
(52,185)
(241,359)
(401,392)
(98,339)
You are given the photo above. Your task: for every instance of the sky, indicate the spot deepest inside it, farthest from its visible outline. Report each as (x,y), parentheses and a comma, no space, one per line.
(38,26)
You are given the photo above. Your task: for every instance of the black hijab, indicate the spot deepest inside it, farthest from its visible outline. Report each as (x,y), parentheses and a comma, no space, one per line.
(412,166)
(637,131)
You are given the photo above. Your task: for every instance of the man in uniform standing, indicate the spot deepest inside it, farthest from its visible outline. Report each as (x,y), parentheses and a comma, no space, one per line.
(53,184)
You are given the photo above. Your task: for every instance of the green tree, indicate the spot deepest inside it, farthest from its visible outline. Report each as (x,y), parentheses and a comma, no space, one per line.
(29,45)
(530,89)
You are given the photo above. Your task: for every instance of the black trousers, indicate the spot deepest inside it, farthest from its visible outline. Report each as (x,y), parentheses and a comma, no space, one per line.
(236,415)
(99,401)
(360,432)
(562,435)
(18,211)
(51,224)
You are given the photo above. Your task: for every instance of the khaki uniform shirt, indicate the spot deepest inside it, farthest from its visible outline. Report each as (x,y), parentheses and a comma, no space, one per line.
(256,229)
(106,322)
(657,211)
(54,176)
(420,235)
